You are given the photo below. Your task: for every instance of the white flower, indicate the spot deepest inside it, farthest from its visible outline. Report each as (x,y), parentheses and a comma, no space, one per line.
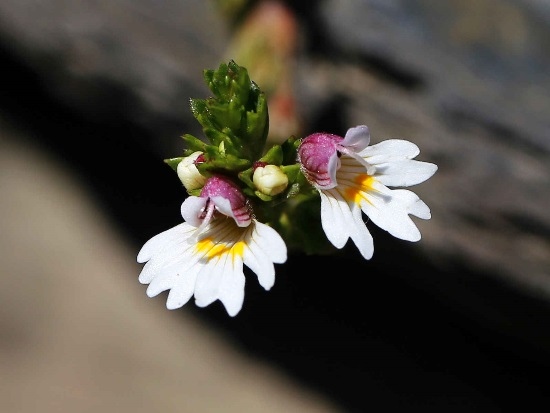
(204,256)
(353,178)
(270,179)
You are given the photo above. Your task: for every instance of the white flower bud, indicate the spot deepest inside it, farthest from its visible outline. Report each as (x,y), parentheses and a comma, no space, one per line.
(188,173)
(270,180)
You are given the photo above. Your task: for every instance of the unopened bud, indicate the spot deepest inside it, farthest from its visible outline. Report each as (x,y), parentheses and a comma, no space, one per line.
(270,179)
(188,173)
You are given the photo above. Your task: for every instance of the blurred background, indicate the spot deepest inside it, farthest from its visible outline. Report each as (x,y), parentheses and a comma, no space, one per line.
(95,94)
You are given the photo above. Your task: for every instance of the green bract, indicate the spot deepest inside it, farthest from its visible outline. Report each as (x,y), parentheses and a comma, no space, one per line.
(237,115)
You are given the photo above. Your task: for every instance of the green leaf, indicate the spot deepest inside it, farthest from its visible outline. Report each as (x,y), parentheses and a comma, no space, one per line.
(194,144)
(173,162)
(246,177)
(292,171)
(273,156)
(290,150)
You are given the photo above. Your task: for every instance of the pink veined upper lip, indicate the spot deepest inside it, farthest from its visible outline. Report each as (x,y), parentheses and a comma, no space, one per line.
(315,154)
(218,186)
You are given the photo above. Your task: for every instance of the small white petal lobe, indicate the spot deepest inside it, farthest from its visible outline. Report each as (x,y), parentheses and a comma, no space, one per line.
(390,150)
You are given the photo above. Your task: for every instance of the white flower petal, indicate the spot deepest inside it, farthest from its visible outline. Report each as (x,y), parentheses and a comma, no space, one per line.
(264,247)
(174,252)
(332,169)
(390,209)
(342,220)
(357,138)
(208,281)
(258,261)
(232,288)
(182,289)
(191,208)
(172,273)
(222,279)
(335,217)
(361,236)
(161,283)
(160,241)
(419,208)
(390,150)
(271,242)
(404,173)
(218,246)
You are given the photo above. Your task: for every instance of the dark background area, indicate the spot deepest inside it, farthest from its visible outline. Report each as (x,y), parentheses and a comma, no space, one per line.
(459,321)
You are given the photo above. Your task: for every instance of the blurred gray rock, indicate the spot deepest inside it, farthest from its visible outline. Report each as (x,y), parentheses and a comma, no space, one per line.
(149,52)
(485,62)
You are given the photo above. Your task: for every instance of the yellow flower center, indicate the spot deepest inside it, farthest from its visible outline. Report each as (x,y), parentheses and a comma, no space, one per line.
(211,249)
(363,183)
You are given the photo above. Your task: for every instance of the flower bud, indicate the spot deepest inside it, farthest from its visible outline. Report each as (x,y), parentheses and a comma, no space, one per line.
(270,179)
(188,173)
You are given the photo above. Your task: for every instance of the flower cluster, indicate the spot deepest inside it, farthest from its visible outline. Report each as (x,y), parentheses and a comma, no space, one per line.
(247,206)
